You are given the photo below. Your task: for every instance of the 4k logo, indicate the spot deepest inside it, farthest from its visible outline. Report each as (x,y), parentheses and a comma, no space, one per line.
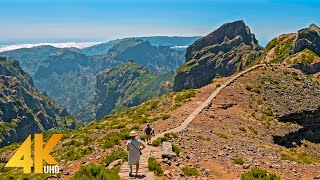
(40,154)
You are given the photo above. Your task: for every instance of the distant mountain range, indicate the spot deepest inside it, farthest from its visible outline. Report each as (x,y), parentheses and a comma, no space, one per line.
(69,74)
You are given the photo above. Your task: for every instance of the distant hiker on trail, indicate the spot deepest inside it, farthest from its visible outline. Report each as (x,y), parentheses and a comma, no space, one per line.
(134,148)
(148,132)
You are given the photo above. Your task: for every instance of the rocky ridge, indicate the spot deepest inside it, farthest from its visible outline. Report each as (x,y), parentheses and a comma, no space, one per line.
(229,49)
(23,109)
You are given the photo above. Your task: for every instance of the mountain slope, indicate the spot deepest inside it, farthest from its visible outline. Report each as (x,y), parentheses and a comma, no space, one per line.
(68,76)
(30,58)
(103,48)
(158,59)
(24,110)
(229,49)
(299,50)
(128,85)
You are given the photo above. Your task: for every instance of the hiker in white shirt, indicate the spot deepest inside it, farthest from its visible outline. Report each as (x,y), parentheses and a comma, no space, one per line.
(134,148)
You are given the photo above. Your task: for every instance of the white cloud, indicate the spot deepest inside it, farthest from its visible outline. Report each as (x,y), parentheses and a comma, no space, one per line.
(79,45)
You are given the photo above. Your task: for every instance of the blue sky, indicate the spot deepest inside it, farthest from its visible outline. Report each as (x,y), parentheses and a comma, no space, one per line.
(100,20)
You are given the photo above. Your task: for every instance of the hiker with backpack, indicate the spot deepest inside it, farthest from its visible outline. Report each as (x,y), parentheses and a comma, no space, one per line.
(134,148)
(148,132)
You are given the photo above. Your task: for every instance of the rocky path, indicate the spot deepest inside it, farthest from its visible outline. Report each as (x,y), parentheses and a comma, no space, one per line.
(156,152)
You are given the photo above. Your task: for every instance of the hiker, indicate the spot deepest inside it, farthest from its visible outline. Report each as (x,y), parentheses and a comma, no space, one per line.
(148,132)
(134,148)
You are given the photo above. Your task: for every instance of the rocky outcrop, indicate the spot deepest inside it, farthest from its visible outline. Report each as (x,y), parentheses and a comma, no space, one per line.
(308,38)
(229,49)
(299,50)
(127,85)
(24,110)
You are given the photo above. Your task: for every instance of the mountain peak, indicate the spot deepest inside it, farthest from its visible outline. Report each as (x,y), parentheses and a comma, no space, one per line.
(227,33)
(228,49)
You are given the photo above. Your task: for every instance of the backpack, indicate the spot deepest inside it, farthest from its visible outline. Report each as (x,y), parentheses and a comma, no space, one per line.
(148,130)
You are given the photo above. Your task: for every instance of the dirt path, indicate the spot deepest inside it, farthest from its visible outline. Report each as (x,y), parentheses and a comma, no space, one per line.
(156,152)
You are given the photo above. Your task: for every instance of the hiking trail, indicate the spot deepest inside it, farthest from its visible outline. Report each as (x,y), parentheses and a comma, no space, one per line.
(149,151)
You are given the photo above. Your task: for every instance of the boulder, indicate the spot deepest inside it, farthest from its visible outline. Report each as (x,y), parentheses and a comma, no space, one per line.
(115,163)
(167,151)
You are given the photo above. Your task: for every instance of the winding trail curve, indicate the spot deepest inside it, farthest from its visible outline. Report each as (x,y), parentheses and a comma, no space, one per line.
(156,152)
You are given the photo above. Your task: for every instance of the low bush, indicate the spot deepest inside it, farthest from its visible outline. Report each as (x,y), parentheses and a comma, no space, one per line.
(171,135)
(165,116)
(190,171)
(253,129)
(95,172)
(176,149)
(259,174)
(118,154)
(248,87)
(239,161)
(242,129)
(223,136)
(203,138)
(158,141)
(154,166)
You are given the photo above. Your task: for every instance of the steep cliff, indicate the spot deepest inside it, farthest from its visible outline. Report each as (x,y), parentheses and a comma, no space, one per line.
(230,48)
(128,85)
(23,109)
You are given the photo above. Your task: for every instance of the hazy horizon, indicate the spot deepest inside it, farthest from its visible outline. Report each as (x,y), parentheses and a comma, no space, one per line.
(39,21)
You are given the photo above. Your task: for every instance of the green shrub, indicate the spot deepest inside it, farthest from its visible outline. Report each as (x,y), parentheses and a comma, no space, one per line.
(190,171)
(118,154)
(242,129)
(172,134)
(259,174)
(223,136)
(248,87)
(218,85)
(203,138)
(253,129)
(176,149)
(184,95)
(143,137)
(256,90)
(267,112)
(239,161)
(165,116)
(154,166)
(95,172)
(107,144)
(158,141)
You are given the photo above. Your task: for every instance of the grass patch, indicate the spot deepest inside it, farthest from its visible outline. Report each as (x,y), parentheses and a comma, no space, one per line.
(203,138)
(115,155)
(259,174)
(300,157)
(165,116)
(190,171)
(154,166)
(223,136)
(243,129)
(252,129)
(176,149)
(248,87)
(171,135)
(158,141)
(239,161)
(95,172)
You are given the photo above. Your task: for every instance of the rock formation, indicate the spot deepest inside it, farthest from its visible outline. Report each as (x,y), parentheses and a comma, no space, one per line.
(230,48)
